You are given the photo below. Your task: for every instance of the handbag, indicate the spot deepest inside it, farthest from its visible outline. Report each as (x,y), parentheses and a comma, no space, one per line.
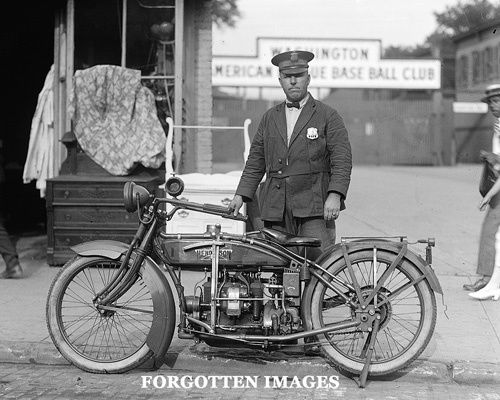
(488,176)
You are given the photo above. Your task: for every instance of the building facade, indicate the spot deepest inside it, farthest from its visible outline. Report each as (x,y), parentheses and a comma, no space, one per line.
(477,66)
(169,41)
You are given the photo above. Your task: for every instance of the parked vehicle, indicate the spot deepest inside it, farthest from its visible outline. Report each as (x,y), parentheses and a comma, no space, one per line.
(368,304)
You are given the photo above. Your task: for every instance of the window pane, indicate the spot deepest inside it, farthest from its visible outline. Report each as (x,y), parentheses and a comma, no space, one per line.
(150,34)
(97,32)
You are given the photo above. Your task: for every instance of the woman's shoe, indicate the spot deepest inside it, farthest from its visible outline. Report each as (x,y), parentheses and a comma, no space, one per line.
(486,293)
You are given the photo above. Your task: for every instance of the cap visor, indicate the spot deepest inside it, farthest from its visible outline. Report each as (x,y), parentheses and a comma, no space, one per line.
(293,71)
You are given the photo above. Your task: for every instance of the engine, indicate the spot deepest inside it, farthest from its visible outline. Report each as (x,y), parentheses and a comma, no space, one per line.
(251,303)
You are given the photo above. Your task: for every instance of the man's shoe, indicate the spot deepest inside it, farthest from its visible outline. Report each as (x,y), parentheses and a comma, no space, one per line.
(13,273)
(474,287)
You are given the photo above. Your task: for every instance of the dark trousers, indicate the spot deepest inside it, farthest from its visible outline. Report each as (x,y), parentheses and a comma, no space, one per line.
(316,227)
(7,249)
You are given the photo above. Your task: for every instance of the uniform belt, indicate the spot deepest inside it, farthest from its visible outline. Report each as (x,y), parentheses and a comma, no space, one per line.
(286,174)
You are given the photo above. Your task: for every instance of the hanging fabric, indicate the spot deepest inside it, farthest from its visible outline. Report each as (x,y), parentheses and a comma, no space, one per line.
(43,159)
(115,119)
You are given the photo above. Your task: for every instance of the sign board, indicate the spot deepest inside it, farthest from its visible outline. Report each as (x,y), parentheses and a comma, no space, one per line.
(470,108)
(338,63)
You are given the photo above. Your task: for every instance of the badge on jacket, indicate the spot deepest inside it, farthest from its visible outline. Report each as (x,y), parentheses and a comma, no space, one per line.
(312,133)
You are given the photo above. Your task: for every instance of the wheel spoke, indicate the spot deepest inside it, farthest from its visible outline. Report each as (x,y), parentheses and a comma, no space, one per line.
(104,334)
(400,310)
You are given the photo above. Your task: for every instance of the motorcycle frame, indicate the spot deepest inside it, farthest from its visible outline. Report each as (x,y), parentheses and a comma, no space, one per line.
(144,245)
(149,230)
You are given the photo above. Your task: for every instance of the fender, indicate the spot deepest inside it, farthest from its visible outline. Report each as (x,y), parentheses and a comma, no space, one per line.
(163,325)
(335,253)
(111,249)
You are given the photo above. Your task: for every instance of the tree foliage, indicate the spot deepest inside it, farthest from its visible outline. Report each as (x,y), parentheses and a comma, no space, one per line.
(459,18)
(406,51)
(464,16)
(225,12)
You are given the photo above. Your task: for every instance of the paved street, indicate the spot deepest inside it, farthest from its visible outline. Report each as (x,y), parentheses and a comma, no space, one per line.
(47,383)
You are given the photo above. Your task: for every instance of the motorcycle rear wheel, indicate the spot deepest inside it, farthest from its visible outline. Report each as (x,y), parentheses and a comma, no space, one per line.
(99,341)
(407,320)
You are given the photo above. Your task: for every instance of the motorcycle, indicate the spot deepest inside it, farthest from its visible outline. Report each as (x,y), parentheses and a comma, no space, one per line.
(367,304)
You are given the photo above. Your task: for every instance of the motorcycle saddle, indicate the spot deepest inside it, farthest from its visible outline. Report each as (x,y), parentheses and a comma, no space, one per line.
(288,240)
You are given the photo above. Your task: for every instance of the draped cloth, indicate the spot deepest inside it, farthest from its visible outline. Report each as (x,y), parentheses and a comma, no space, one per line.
(45,152)
(115,119)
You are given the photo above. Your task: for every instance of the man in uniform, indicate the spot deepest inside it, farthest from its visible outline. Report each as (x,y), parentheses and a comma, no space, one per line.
(302,147)
(491,222)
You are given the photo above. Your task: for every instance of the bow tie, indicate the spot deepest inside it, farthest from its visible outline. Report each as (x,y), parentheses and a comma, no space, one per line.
(295,104)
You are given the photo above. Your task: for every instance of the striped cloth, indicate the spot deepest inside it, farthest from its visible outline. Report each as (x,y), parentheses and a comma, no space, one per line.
(496,137)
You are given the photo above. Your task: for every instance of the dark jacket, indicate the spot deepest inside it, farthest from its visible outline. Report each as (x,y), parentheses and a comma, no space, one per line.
(312,167)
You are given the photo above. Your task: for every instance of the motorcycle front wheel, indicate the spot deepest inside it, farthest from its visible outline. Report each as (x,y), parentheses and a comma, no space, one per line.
(407,318)
(93,339)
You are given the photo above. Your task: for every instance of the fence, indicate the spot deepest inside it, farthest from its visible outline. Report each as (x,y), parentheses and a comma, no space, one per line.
(382,132)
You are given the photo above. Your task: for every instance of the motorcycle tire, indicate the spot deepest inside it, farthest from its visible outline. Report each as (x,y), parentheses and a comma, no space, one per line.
(106,341)
(407,320)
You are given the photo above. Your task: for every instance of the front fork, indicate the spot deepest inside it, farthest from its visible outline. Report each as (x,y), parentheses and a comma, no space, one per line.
(127,274)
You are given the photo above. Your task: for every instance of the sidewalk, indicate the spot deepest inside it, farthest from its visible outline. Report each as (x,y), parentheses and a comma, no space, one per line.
(418,201)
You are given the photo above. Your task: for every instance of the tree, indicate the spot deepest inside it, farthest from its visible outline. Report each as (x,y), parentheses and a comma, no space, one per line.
(460,18)
(464,16)
(407,52)
(225,12)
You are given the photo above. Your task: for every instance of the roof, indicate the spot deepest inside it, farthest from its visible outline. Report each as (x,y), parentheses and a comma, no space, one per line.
(477,29)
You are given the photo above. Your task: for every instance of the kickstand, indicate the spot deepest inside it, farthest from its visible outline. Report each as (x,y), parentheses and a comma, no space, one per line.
(364,373)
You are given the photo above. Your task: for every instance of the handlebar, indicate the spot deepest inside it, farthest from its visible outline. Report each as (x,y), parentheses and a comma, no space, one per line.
(221,211)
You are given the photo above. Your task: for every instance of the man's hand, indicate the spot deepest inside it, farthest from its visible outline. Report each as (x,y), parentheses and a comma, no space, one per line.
(490,157)
(484,202)
(332,206)
(236,204)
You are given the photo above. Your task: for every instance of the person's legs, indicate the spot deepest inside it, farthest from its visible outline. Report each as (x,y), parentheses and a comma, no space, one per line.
(486,253)
(319,228)
(492,288)
(9,255)
(288,223)
(486,256)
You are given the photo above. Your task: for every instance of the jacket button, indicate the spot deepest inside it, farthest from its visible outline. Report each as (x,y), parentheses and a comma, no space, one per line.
(280,172)
(280,160)
(278,186)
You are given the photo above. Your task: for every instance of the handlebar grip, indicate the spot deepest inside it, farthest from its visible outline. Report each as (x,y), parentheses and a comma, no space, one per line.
(227,213)
(239,217)
(214,208)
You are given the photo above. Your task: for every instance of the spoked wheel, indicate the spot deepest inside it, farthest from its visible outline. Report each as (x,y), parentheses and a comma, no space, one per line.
(108,340)
(407,318)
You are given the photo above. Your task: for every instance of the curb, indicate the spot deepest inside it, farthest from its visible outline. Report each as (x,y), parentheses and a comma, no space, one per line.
(202,359)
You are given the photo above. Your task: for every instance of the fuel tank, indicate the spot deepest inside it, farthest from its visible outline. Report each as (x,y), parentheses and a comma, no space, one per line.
(193,253)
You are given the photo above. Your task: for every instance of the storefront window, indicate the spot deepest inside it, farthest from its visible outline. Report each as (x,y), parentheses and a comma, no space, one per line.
(146,45)
(150,34)
(97,33)
(148,38)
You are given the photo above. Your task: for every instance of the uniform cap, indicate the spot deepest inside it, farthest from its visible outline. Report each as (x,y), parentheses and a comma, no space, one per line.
(296,61)
(491,90)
